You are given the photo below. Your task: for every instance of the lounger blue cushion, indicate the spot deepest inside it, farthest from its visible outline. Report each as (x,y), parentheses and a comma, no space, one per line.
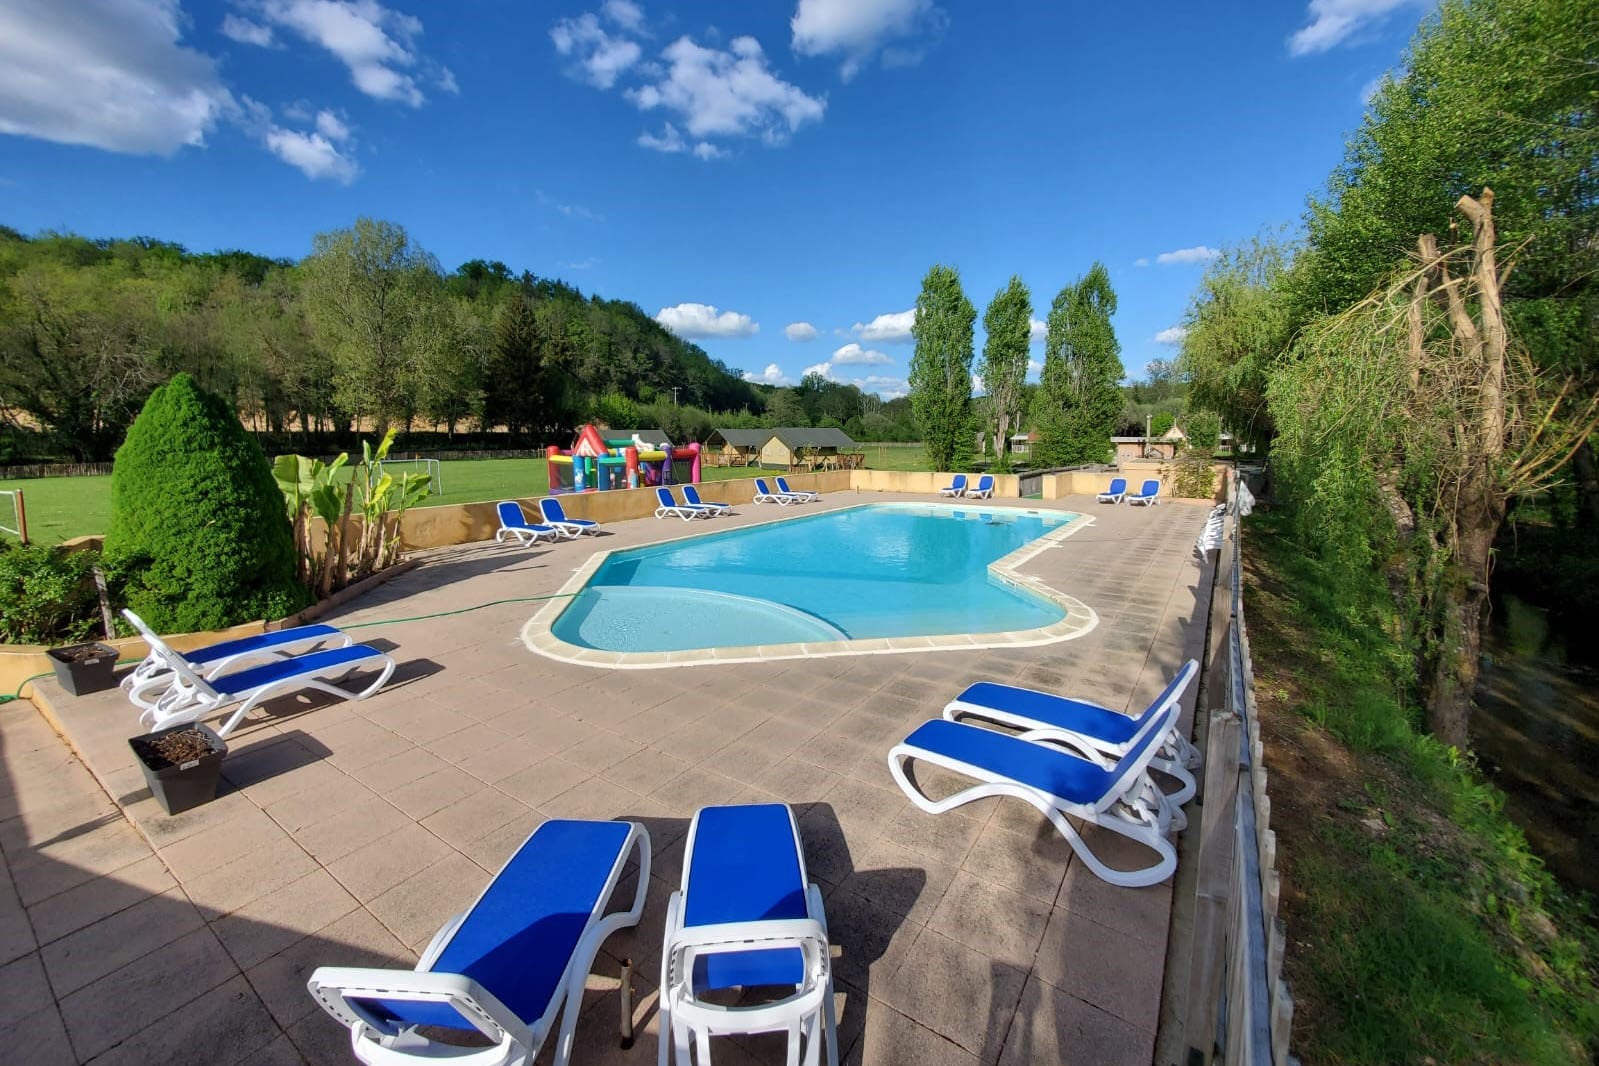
(1057,711)
(519,936)
(745,869)
(259,642)
(1072,779)
(553,512)
(315,662)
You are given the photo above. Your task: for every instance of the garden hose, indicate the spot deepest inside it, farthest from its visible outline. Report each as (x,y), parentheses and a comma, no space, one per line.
(17,695)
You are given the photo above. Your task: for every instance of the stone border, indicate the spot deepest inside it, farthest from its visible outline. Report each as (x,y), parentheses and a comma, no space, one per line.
(539,636)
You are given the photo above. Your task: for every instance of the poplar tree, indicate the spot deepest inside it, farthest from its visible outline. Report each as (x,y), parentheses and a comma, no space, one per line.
(1079,393)
(941,369)
(1008,323)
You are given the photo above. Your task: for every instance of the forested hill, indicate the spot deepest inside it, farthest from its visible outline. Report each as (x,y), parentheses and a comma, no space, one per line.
(367,331)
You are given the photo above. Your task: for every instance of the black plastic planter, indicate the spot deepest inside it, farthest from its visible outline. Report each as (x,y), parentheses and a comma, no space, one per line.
(85,668)
(184,785)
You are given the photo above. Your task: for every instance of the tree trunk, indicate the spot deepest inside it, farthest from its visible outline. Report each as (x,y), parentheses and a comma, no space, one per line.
(1462,599)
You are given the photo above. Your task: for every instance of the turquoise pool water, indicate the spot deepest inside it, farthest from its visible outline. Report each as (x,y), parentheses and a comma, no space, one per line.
(882,570)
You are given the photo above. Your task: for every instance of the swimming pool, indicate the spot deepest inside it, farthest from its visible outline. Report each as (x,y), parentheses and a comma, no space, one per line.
(819,584)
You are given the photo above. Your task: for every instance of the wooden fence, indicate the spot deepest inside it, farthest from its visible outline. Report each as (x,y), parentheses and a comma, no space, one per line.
(1238,1007)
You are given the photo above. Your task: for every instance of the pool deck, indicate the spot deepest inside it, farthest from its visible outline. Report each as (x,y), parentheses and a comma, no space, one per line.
(347,833)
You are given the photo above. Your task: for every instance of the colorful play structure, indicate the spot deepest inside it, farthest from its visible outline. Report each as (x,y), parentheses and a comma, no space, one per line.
(596,462)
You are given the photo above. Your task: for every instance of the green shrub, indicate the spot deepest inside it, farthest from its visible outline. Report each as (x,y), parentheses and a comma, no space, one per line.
(1204,431)
(1192,477)
(47,595)
(199,537)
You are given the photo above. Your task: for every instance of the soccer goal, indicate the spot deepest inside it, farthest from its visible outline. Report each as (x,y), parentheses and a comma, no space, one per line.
(431,467)
(13,516)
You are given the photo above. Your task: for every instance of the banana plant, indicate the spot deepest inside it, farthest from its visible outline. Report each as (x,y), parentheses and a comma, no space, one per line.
(310,488)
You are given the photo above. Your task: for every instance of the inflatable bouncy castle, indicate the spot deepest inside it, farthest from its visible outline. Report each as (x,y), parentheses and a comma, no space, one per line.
(596,461)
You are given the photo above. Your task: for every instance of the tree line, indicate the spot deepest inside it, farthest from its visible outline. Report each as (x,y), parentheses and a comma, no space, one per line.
(1078,403)
(1421,359)
(365,332)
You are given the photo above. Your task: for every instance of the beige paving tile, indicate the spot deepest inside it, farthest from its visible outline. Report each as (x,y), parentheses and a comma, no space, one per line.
(430,794)
(1052,1026)
(476,815)
(543,780)
(1098,965)
(16,934)
(95,950)
(125,1001)
(1000,923)
(374,868)
(1034,864)
(228,1024)
(249,877)
(961,994)
(414,909)
(27,990)
(892,1039)
(37,1039)
(271,922)
(357,939)
(897,880)
(344,827)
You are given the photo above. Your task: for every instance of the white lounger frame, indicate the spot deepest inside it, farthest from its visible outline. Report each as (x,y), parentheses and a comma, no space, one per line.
(686,511)
(1132,807)
(780,498)
(1113,497)
(686,1022)
(1149,501)
(1174,756)
(154,667)
(798,495)
(564,528)
(524,535)
(516,1042)
(191,698)
(956,491)
(715,508)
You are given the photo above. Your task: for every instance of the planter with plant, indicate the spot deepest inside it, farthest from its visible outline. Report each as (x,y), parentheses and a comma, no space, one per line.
(182,765)
(85,668)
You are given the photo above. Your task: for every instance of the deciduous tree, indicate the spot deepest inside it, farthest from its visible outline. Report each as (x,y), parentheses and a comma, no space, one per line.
(941,368)
(1008,324)
(1079,394)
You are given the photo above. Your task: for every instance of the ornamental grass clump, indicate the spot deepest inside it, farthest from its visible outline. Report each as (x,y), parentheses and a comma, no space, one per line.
(198,536)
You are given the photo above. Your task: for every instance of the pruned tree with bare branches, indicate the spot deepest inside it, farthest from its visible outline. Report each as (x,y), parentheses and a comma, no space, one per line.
(1414,416)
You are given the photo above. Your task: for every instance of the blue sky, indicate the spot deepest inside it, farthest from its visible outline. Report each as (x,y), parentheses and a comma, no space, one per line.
(772,179)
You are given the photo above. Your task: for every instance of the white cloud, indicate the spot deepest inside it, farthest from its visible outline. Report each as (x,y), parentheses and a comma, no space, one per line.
(800,331)
(1171,335)
(891,328)
(670,140)
(1037,332)
(116,78)
(1372,87)
(246,32)
(886,387)
(625,14)
(731,93)
(376,44)
(1197,254)
(584,264)
(1140,262)
(977,383)
(601,57)
(313,153)
(1332,22)
(703,320)
(446,81)
(1034,366)
(824,369)
(772,375)
(854,354)
(857,29)
(331,126)
(707,150)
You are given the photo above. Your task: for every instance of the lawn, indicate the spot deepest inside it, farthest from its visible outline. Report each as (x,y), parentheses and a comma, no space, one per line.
(63,507)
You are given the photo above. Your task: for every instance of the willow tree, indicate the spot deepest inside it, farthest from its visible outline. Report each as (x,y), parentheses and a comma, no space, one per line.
(1408,422)
(941,368)
(1008,322)
(1079,395)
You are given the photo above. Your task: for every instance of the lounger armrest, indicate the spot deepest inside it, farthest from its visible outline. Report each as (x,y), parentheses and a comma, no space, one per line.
(746,936)
(333,987)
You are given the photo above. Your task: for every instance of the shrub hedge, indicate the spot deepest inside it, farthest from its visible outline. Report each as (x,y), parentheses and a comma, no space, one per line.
(199,535)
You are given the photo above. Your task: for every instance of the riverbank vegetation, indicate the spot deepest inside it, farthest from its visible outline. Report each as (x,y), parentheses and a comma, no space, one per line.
(1423,928)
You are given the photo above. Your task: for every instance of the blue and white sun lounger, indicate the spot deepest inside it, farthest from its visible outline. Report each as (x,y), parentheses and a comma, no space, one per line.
(1117,490)
(192,698)
(506,967)
(555,515)
(1119,796)
(670,508)
(766,495)
(691,496)
(1147,494)
(984,489)
(956,487)
(513,523)
(800,495)
(1085,727)
(153,674)
(746,917)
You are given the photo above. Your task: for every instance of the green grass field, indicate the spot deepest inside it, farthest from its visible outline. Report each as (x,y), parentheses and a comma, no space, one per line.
(63,507)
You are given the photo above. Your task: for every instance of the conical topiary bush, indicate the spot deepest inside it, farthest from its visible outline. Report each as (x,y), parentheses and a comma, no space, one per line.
(199,532)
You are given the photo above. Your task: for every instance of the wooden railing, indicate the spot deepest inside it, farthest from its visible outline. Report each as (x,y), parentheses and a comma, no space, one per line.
(1238,1006)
